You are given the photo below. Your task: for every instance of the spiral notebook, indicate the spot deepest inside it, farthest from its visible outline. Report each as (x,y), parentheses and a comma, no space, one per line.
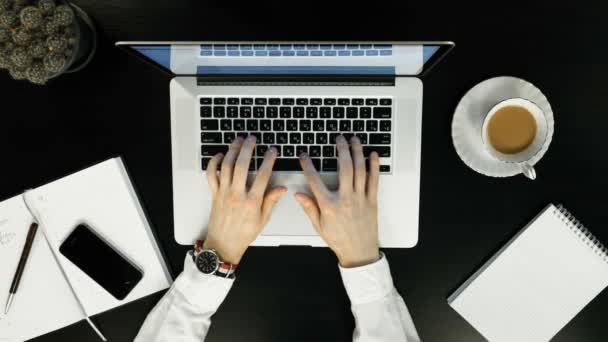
(53,292)
(533,286)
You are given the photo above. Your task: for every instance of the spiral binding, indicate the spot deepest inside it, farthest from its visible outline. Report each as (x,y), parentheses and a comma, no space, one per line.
(582,232)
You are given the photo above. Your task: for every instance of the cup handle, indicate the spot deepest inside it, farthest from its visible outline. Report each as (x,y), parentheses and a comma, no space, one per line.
(528,170)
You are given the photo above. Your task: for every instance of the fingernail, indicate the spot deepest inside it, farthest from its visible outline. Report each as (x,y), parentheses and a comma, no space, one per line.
(354,140)
(303,155)
(238,140)
(252,138)
(340,139)
(272,150)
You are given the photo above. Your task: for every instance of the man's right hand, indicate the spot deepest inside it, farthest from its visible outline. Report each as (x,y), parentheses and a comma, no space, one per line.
(346,219)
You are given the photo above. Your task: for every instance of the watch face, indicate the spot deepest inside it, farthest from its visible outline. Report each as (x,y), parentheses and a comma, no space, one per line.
(207,262)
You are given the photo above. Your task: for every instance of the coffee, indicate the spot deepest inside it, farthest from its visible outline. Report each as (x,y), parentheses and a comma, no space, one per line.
(511,129)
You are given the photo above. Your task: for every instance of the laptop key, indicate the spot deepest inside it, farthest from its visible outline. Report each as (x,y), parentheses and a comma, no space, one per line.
(382,113)
(316,102)
(302,102)
(260,101)
(331,125)
(211,138)
(243,135)
(205,100)
(257,135)
(352,112)
(219,112)
(314,151)
(258,112)
(238,125)
(229,137)
(288,151)
(219,101)
(260,150)
(272,112)
(329,102)
(298,112)
(371,125)
(205,162)
(385,168)
(318,125)
(348,136)
(344,125)
(330,165)
(338,112)
(233,112)
(371,102)
(301,149)
(292,125)
(325,112)
(226,125)
(205,112)
(245,112)
(288,102)
(344,102)
(328,151)
(380,139)
(312,112)
(295,138)
(332,138)
(252,125)
(268,138)
(278,125)
(274,101)
(357,102)
(278,149)
(309,138)
(365,113)
(362,137)
(321,138)
(247,101)
(285,112)
(386,102)
(211,150)
(304,125)
(282,138)
(385,125)
(210,125)
(265,125)
(383,151)
(358,125)
(233,101)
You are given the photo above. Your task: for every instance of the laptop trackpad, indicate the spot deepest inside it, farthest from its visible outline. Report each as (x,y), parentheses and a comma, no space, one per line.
(288,217)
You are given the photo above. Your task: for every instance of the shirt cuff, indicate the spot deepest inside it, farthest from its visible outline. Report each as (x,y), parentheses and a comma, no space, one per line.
(205,291)
(368,283)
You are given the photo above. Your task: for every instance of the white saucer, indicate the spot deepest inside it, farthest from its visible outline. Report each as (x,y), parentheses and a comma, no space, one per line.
(470,114)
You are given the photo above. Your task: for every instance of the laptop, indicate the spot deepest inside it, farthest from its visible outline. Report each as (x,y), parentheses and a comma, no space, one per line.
(298,97)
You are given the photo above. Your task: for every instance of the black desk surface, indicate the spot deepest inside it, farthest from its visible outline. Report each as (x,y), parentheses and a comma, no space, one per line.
(119,105)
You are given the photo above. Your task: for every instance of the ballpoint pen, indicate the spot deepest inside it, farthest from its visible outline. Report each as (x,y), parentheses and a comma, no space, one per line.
(31,234)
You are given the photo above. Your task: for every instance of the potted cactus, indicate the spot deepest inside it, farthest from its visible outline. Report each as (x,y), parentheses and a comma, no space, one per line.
(42,39)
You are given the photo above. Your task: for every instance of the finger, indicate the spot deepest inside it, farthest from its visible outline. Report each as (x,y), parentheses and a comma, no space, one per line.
(311,209)
(212,178)
(374,177)
(258,188)
(314,179)
(359,165)
(241,168)
(228,163)
(270,201)
(345,165)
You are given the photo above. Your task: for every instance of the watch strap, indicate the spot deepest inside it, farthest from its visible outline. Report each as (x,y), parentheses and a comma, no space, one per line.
(225,269)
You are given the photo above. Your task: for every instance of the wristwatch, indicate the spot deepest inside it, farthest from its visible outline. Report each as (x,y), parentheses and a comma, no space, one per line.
(208,262)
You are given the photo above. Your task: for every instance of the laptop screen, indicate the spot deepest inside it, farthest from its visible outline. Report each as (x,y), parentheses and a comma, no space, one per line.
(258,58)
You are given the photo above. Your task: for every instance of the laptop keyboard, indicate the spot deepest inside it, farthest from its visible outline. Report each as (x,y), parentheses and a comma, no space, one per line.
(295,50)
(294,125)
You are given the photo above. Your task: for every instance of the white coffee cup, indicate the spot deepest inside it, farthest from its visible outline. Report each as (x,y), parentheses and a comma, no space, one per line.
(522,158)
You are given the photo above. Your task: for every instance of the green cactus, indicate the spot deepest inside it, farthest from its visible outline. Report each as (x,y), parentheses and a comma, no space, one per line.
(54,63)
(46,6)
(5,59)
(5,5)
(4,35)
(36,73)
(17,74)
(50,27)
(20,57)
(21,36)
(38,49)
(31,17)
(56,44)
(63,15)
(8,19)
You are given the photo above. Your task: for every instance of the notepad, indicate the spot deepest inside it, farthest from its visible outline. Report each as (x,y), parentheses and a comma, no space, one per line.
(532,287)
(101,196)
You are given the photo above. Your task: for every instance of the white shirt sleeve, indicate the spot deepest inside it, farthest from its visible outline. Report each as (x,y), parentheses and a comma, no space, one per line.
(184,313)
(380,313)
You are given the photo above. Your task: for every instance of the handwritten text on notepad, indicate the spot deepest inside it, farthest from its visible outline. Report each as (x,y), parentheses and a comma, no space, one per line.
(5,237)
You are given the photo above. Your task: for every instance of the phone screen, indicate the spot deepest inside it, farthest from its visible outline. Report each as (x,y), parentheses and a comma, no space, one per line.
(100,261)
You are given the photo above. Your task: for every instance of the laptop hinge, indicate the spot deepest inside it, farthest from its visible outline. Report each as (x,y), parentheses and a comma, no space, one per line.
(295,80)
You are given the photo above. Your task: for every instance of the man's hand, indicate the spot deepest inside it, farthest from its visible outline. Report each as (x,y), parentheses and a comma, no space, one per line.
(347,219)
(238,214)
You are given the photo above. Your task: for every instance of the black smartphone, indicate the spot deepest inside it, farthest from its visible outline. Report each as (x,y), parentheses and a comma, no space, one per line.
(100,261)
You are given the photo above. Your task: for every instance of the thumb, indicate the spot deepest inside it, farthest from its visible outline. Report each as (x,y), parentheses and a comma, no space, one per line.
(311,208)
(270,200)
